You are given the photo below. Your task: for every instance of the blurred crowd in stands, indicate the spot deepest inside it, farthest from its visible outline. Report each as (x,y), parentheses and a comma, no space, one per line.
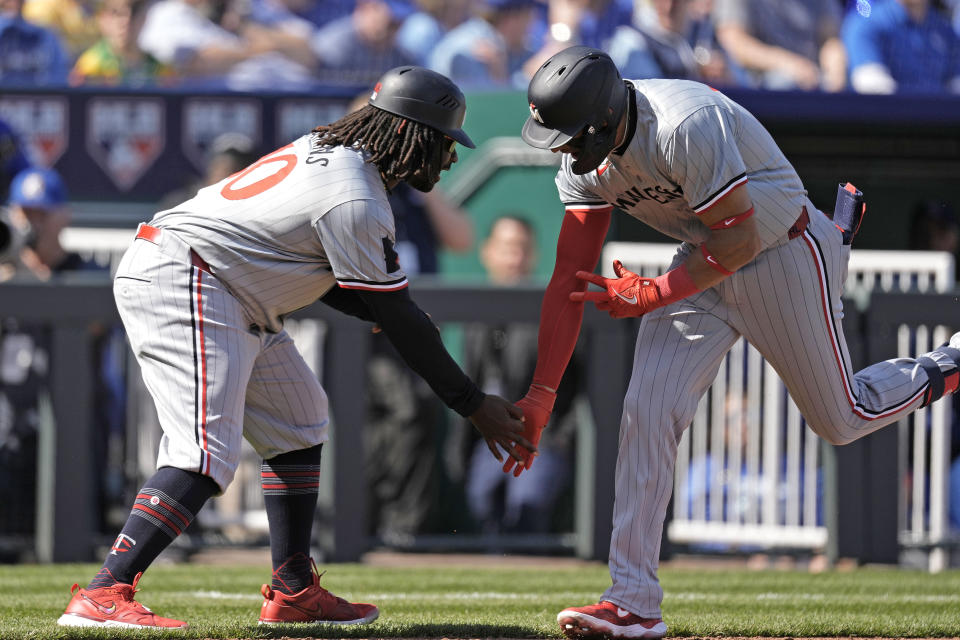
(867,46)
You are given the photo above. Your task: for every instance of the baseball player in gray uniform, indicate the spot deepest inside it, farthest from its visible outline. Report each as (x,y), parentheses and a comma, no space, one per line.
(202,293)
(756,259)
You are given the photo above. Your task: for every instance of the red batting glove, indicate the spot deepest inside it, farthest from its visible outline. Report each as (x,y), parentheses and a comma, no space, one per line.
(536,406)
(627,295)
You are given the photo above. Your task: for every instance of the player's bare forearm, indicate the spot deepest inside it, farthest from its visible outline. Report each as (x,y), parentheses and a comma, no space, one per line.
(499,422)
(731,248)
(833,62)
(749,51)
(733,240)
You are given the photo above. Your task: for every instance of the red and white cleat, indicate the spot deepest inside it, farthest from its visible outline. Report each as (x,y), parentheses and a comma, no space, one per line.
(112,607)
(313,605)
(607,620)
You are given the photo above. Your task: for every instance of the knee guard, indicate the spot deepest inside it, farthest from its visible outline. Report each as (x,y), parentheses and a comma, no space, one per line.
(941,382)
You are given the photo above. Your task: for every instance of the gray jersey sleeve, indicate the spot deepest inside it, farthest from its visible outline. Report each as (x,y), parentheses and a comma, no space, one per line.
(702,156)
(358,238)
(574,192)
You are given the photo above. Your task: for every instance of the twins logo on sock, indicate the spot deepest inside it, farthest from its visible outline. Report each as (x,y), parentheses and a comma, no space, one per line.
(122,544)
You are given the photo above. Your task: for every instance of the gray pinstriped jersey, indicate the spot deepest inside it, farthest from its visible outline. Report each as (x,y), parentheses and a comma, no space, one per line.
(692,145)
(280,233)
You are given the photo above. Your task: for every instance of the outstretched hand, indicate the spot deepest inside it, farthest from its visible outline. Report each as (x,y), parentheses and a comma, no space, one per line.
(501,423)
(627,295)
(536,407)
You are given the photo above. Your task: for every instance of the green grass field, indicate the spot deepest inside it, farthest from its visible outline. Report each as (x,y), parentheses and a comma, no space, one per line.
(460,602)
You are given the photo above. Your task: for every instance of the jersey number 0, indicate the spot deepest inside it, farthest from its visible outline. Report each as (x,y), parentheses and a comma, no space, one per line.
(289,161)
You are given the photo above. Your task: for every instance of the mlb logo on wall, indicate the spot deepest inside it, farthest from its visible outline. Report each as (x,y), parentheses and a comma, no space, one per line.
(205,119)
(125,136)
(41,123)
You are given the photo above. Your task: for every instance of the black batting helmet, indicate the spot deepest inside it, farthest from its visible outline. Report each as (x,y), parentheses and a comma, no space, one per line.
(578,90)
(424,96)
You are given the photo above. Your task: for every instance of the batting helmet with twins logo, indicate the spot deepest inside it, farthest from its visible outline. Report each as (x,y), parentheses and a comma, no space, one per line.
(577,98)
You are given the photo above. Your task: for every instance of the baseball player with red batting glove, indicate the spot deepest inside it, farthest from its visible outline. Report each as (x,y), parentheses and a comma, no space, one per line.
(536,406)
(202,293)
(756,260)
(626,296)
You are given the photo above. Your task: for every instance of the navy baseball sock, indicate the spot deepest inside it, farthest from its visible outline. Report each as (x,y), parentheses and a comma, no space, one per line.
(163,509)
(290,483)
(942,366)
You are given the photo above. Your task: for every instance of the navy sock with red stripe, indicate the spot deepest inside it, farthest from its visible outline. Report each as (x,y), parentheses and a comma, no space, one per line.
(290,484)
(164,508)
(942,366)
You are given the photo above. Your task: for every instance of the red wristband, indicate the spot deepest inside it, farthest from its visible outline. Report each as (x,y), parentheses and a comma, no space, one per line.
(713,262)
(675,284)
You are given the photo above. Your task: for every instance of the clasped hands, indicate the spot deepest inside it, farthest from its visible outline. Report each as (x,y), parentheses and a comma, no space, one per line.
(628,295)
(536,407)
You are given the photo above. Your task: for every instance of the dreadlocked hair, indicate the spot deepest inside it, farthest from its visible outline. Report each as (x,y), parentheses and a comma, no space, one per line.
(400,148)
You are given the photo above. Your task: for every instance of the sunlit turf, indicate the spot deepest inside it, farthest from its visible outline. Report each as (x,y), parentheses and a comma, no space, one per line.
(517,602)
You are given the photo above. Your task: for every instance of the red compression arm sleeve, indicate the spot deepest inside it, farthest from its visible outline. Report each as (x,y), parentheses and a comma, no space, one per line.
(578,249)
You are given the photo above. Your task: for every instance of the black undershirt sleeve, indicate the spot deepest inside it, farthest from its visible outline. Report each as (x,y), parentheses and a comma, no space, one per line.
(418,341)
(347,301)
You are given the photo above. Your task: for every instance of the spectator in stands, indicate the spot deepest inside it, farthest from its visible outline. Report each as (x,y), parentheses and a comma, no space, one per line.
(559,24)
(501,359)
(116,59)
(71,20)
(228,153)
(29,54)
(702,35)
(318,12)
(785,45)
(708,473)
(713,480)
(356,49)
(934,227)
(283,15)
(203,52)
(38,204)
(404,430)
(424,29)
(13,158)
(953,10)
(587,22)
(489,50)
(660,45)
(38,201)
(902,46)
